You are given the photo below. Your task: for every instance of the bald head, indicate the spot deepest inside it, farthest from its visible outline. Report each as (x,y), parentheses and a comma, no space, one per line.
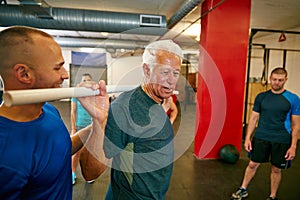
(30,58)
(16,43)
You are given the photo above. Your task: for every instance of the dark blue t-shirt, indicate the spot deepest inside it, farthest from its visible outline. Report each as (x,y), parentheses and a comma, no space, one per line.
(35,158)
(275,115)
(139,138)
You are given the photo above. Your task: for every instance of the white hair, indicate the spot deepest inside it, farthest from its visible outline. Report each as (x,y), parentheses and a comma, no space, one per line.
(149,55)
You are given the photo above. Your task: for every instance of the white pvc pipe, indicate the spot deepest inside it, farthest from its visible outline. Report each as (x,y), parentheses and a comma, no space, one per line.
(20,97)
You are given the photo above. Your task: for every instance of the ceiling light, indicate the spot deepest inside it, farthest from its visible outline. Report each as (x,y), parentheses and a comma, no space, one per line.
(105,34)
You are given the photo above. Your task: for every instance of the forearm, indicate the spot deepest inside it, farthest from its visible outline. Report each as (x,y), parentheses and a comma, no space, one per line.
(173,116)
(73,117)
(174,111)
(250,130)
(251,125)
(295,131)
(73,124)
(92,157)
(294,134)
(79,138)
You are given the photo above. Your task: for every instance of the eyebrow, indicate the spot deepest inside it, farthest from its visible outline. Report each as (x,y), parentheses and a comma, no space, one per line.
(278,78)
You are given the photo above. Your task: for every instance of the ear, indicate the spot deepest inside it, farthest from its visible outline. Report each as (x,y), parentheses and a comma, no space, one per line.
(22,73)
(146,70)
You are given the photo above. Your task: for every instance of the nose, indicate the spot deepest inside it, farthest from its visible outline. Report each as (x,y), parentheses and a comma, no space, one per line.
(64,73)
(172,78)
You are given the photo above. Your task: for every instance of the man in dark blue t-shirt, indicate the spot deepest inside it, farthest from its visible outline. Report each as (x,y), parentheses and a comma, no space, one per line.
(277,112)
(139,135)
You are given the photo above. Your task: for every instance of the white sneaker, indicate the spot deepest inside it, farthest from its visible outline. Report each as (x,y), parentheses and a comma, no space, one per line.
(91,181)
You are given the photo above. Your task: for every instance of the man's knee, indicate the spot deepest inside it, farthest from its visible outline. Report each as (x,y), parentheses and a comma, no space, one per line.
(253,165)
(275,169)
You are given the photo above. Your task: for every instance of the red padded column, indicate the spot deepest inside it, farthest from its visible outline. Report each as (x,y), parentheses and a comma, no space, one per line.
(221,83)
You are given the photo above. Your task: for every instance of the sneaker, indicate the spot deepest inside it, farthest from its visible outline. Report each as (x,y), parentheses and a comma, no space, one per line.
(73,178)
(239,194)
(270,198)
(91,181)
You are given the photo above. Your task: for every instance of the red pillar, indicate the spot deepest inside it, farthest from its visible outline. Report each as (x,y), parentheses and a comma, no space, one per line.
(221,82)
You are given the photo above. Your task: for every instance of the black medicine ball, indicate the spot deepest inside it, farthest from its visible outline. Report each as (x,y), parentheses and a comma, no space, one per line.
(229,154)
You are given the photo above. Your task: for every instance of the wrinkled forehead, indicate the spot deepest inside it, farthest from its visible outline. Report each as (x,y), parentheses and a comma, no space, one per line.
(168,58)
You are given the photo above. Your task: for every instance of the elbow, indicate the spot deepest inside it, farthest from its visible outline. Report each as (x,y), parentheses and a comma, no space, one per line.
(95,173)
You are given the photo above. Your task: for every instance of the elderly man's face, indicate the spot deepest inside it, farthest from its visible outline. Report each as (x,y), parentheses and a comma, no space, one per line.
(164,74)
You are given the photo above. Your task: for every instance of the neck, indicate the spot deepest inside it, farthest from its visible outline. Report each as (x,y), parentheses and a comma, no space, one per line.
(148,89)
(24,113)
(278,91)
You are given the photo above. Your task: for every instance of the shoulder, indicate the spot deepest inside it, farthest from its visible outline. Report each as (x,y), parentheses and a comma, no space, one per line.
(291,97)
(294,100)
(73,99)
(127,95)
(263,94)
(290,94)
(49,108)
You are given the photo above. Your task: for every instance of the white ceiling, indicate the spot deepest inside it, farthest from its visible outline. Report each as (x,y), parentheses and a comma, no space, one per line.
(265,14)
(276,14)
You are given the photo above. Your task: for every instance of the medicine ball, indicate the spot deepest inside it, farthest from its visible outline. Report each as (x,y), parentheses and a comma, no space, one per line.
(229,154)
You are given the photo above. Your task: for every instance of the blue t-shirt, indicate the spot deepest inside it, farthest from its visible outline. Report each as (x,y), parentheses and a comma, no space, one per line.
(83,118)
(275,111)
(139,138)
(35,158)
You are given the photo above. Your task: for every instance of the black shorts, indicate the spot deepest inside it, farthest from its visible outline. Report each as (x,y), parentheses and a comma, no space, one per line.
(265,151)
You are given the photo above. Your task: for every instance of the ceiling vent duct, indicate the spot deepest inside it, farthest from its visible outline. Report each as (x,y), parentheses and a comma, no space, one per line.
(184,10)
(81,20)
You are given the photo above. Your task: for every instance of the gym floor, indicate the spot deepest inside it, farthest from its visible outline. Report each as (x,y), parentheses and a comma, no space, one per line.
(195,179)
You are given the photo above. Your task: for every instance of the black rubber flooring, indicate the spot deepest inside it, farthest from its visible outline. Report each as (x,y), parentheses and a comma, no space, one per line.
(195,179)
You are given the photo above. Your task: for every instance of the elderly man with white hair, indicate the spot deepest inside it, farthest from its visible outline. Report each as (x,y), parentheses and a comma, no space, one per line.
(139,135)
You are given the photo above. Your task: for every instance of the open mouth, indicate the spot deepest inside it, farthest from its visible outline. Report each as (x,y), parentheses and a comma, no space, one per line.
(168,89)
